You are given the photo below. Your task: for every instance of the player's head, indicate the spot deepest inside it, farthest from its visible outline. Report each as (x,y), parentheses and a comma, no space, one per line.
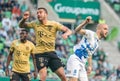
(23,35)
(42,13)
(102,30)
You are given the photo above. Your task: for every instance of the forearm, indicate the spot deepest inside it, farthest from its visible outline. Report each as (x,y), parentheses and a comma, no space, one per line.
(68,32)
(22,23)
(80,26)
(8,61)
(90,61)
(35,68)
(34,63)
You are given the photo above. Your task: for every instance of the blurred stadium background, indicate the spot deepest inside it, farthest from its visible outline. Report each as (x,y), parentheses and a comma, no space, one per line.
(106,63)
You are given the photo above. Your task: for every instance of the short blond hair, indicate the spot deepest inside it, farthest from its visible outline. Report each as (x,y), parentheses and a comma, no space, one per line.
(100,25)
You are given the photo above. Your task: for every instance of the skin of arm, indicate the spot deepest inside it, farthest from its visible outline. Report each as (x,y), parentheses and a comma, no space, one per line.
(35,68)
(67,32)
(89,69)
(79,27)
(8,63)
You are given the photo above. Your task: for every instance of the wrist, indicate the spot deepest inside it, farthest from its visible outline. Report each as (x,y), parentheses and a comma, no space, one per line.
(24,19)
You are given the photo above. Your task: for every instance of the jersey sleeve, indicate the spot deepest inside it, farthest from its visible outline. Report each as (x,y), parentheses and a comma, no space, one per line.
(31,24)
(59,26)
(33,48)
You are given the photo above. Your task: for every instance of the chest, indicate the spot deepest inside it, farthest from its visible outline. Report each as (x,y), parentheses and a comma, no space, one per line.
(45,30)
(23,48)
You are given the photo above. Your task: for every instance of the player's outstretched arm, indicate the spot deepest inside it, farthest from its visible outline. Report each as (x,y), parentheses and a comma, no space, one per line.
(79,27)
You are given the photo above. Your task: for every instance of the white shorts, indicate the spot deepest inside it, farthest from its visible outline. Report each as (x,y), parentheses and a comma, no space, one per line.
(75,68)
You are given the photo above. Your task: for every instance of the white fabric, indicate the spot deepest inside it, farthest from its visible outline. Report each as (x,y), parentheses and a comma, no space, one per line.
(91,40)
(76,62)
(76,69)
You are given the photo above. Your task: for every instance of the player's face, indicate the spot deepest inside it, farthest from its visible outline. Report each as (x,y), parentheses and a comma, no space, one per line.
(23,35)
(41,14)
(104,31)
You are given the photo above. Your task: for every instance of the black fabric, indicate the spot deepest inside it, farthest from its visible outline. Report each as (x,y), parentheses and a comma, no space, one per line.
(20,76)
(48,59)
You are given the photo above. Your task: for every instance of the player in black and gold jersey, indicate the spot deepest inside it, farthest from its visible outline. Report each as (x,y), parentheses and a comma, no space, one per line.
(21,49)
(45,31)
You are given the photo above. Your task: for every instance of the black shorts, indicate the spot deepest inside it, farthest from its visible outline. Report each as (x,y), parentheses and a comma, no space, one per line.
(48,59)
(20,76)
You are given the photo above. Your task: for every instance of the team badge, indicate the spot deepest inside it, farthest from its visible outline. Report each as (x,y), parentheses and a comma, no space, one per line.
(18,53)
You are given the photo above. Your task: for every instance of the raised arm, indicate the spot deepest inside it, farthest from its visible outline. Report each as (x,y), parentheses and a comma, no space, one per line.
(22,23)
(79,27)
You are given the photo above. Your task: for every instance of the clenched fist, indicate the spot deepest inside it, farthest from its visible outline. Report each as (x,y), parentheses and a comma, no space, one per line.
(26,15)
(88,19)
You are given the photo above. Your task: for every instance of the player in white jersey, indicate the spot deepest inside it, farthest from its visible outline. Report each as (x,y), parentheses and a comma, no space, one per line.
(83,51)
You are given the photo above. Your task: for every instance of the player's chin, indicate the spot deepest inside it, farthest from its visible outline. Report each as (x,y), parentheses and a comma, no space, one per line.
(104,37)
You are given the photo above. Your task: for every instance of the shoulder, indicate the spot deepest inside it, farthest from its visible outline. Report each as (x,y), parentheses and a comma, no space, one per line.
(53,22)
(35,22)
(30,43)
(14,41)
(89,31)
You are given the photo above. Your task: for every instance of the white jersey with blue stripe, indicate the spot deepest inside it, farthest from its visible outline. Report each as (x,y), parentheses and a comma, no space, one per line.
(87,46)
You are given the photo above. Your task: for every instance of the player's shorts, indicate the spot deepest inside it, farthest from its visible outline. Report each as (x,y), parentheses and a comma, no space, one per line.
(75,68)
(48,59)
(20,76)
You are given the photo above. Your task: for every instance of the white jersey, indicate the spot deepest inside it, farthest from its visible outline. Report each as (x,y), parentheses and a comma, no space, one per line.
(87,46)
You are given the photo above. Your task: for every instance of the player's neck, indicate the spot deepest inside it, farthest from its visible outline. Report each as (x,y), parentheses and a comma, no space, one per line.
(23,41)
(43,21)
(98,34)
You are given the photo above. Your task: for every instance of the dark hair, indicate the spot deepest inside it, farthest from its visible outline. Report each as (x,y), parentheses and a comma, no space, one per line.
(23,29)
(43,9)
